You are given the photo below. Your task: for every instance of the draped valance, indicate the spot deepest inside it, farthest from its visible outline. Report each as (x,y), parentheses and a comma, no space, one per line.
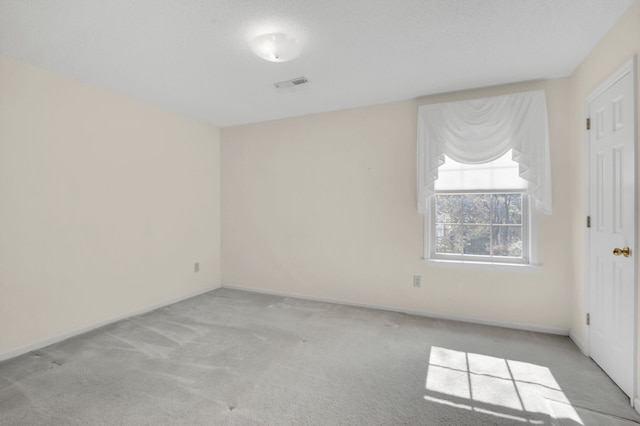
(482,130)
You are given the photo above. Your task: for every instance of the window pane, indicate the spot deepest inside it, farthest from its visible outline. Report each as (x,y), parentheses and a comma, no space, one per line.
(479,225)
(507,208)
(477,240)
(507,241)
(448,209)
(449,239)
(502,173)
(477,208)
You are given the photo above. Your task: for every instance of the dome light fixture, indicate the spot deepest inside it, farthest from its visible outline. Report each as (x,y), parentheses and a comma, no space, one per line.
(276,47)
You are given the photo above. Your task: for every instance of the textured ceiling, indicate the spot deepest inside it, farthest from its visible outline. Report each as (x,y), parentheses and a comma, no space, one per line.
(193,56)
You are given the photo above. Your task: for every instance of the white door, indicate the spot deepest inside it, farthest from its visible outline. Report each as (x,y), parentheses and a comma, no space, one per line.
(612,209)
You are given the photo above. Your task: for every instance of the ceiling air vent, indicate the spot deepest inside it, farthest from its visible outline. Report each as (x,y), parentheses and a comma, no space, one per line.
(291,83)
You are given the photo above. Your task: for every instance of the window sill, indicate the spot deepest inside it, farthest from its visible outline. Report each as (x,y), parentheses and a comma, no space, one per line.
(492,266)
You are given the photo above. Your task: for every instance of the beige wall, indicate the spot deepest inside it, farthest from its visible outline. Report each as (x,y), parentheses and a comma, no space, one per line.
(105,205)
(618,46)
(324,206)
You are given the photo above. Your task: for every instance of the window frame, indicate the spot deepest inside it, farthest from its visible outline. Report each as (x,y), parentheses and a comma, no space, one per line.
(529,236)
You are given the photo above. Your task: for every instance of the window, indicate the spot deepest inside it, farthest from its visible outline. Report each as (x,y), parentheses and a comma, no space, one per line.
(479,213)
(480,225)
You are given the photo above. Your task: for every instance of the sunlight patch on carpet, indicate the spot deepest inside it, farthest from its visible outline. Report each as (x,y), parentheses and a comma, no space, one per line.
(499,387)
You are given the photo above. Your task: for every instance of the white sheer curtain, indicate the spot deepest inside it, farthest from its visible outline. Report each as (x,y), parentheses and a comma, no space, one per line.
(482,130)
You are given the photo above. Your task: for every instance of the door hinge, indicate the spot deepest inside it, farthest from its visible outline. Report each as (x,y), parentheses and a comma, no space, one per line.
(588,221)
(588,124)
(588,319)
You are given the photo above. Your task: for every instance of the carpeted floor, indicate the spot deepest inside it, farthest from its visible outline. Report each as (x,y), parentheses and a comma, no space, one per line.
(237,358)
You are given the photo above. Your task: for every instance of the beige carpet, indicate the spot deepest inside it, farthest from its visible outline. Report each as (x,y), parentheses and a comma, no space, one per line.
(237,358)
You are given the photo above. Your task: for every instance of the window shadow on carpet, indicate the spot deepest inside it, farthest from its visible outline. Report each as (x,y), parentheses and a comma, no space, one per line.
(509,390)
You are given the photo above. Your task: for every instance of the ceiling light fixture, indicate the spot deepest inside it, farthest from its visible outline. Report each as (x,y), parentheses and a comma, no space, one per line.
(276,47)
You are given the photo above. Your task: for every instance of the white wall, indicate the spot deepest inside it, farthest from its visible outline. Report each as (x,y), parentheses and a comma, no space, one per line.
(105,204)
(324,206)
(618,46)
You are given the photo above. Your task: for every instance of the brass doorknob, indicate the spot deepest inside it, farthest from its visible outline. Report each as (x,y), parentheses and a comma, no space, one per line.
(626,252)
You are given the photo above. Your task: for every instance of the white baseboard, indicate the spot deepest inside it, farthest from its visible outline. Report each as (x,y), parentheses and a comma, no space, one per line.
(473,320)
(12,353)
(578,342)
(636,405)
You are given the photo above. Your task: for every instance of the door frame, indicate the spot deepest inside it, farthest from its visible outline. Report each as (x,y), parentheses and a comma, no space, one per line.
(629,67)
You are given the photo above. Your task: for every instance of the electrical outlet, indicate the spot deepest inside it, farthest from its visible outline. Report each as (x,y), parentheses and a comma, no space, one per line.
(196,267)
(416,280)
